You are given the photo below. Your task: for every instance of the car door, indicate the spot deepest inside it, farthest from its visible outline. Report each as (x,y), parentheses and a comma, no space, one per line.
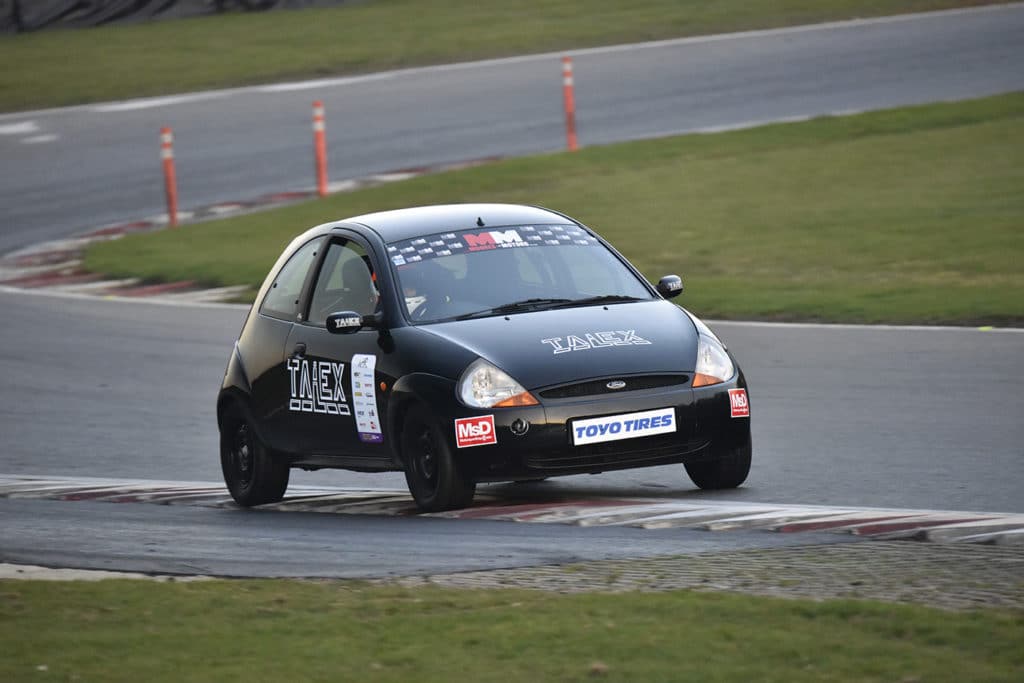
(333,394)
(263,341)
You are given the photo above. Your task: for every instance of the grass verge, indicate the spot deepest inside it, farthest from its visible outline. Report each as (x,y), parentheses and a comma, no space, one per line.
(63,67)
(910,215)
(312,631)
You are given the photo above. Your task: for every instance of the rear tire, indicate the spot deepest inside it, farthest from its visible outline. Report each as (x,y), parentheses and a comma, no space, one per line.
(252,474)
(725,472)
(434,477)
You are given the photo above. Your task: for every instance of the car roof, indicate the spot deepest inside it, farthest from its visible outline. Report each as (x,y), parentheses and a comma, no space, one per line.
(402,224)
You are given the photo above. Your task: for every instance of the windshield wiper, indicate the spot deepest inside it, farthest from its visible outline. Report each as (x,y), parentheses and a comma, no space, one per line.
(603,299)
(515,307)
(542,304)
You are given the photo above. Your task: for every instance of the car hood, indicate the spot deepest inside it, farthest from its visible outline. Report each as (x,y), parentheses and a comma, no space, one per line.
(545,348)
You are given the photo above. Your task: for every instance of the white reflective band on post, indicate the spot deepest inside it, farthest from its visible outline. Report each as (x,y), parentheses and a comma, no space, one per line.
(166,138)
(318,126)
(567,80)
(166,153)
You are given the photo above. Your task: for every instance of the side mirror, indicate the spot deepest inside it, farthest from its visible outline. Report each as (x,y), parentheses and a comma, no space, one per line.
(347,322)
(670,286)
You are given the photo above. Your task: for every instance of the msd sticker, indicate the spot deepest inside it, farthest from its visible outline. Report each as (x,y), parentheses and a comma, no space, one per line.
(738,404)
(475,431)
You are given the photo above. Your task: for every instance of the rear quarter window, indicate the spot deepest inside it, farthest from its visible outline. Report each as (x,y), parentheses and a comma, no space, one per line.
(282,299)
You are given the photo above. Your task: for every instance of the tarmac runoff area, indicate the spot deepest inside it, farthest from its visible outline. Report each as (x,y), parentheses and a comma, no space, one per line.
(945,559)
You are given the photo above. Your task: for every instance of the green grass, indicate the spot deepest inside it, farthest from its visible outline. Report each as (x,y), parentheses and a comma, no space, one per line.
(341,631)
(62,67)
(909,215)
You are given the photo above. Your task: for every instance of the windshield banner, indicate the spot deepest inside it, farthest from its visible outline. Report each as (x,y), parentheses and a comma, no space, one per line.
(465,241)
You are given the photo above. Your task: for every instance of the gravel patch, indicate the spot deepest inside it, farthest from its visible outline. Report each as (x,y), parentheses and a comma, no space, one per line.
(948,576)
(953,577)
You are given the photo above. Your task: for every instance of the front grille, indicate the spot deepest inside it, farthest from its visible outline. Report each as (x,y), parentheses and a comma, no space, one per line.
(651,450)
(596,387)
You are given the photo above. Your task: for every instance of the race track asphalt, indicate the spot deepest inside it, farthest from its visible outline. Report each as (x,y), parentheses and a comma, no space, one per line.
(886,417)
(183,540)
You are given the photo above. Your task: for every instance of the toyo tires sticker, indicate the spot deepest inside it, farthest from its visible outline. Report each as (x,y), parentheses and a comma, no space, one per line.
(627,426)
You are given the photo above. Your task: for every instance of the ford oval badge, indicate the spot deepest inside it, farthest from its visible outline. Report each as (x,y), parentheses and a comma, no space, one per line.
(616,384)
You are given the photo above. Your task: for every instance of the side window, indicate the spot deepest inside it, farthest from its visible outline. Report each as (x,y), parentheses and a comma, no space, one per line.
(345,283)
(282,300)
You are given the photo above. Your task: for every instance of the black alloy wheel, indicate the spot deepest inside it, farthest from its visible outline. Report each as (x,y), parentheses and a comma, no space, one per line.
(253,476)
(434,477)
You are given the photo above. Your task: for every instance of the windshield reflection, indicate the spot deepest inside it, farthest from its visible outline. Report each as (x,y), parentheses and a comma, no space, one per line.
(458,275)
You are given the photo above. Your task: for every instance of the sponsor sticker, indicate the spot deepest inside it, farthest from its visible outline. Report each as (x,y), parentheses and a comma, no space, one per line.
(443,244)
(475,431)
(316,387)
(626,426)
(350,321)
(493,239)
(594,340)
(738,404)
(364,398)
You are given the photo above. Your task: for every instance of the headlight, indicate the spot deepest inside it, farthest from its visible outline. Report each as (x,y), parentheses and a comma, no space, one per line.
(484,386)
(713,363)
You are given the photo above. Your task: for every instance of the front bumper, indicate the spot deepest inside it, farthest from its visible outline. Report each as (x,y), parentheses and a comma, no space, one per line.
(705,429)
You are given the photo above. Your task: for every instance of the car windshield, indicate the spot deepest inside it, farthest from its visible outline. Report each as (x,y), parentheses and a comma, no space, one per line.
(477,273)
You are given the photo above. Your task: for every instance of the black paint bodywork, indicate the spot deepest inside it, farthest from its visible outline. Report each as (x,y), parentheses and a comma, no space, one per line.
(421,363)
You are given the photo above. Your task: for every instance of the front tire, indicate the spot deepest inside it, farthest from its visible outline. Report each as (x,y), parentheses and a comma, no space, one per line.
(434,477)
(725,472)
(252,474)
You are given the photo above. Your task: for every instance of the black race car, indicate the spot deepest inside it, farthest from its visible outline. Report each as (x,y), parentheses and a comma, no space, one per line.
(473,343)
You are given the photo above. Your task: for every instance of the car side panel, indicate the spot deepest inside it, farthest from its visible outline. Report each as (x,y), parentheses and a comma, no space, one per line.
(261,350)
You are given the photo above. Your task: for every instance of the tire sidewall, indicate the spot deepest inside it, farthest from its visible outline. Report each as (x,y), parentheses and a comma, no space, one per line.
(234,419)
(451,489)
(727,471)
(269,477)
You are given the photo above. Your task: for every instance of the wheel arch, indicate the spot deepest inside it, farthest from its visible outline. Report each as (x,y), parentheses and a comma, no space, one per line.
(228,398)
(430,391)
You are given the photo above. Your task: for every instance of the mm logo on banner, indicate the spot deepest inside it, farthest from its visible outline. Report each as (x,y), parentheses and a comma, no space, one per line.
(738,404)
(475,431)
(493,239)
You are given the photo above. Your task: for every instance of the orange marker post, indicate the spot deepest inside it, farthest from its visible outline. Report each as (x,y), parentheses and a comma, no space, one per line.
(320,148)
(568,94)
(170,180)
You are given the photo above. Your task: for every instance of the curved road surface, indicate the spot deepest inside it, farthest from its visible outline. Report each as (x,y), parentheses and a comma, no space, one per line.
(72,169)
(906,418)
